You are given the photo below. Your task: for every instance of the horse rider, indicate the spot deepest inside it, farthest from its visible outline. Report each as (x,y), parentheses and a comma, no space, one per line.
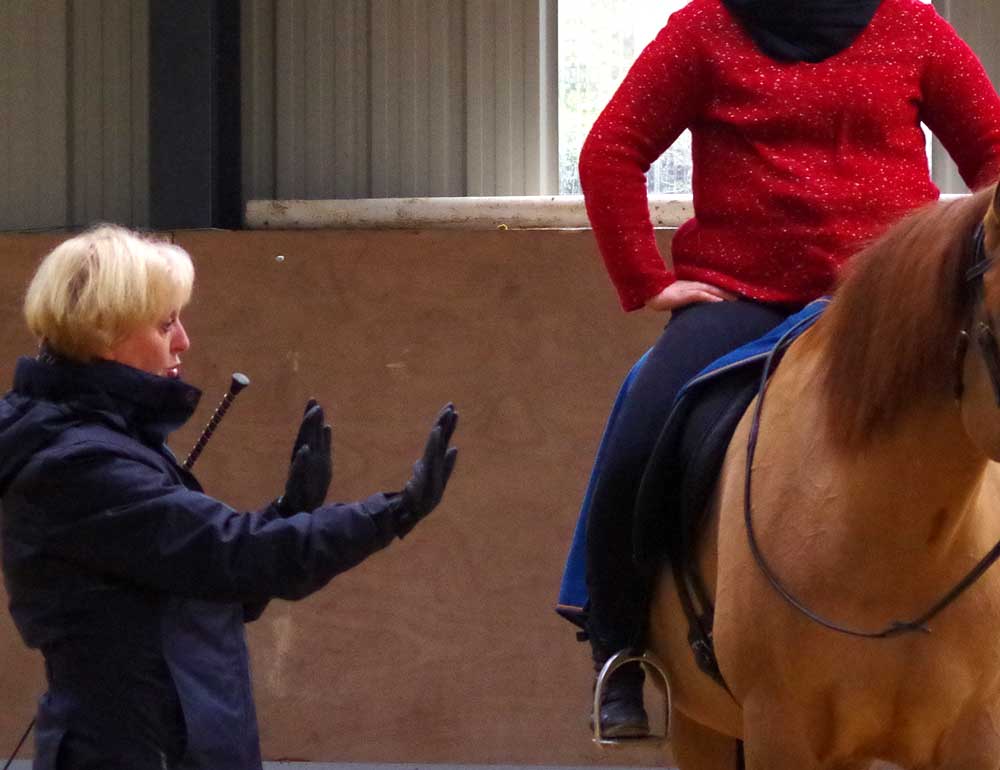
(806,143)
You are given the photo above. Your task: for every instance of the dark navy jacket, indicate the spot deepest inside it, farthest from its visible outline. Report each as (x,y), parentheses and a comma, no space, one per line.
(133,583)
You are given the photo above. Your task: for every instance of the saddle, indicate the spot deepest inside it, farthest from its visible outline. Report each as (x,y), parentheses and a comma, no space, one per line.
(682,471)
(676,489)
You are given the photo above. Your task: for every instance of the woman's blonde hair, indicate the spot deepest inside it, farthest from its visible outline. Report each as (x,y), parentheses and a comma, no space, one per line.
(96,288)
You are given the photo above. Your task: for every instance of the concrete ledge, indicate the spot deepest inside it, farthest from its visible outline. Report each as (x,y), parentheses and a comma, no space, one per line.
(494,213)
(527,212)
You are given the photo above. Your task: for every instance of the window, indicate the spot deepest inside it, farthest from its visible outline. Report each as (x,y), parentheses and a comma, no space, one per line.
(598,41)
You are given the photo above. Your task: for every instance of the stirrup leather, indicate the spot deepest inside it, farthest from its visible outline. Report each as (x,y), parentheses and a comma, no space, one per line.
(616,661)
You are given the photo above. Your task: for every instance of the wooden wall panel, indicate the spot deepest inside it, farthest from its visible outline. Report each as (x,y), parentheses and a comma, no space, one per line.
(444,648)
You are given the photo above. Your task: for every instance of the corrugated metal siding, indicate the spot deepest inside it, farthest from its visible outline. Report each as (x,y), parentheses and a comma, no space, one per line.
(342,99)
(33,149)
(257,28)
(74,124)
(512,87)
(977,24)
(108,112)
(417,80)
(399,98)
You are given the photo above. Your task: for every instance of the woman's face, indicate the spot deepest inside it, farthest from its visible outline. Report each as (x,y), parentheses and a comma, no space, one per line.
(154,348)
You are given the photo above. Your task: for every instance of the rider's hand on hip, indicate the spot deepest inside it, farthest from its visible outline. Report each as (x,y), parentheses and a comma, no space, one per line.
(682,293)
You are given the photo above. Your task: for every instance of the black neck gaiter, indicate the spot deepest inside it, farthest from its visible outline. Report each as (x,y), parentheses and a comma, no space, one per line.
(803,30)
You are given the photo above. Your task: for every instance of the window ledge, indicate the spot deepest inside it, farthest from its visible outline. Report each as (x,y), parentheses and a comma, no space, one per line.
(522,212)
(493,213)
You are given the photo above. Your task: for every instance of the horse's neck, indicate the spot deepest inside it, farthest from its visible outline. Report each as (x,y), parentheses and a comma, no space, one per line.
(919,481)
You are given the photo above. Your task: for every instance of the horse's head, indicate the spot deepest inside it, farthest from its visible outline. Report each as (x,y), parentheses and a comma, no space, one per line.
(978,359)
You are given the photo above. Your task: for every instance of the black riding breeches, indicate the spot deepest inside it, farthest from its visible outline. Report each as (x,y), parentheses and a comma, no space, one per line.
(695,336)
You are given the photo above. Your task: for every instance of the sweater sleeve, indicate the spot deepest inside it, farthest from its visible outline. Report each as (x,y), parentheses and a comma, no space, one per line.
(960,104)
(655,103)
(121,517)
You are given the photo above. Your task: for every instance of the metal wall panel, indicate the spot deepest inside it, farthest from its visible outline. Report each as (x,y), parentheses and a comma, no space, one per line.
(257,29)
(351,140)
(398,98)
(33,114)
(385,149)
(108,112)
(342,99)
(512,87)
(73,86)
(139,108)
(305,86)
(481,54)
(290,97)
(447,99)
(416,98)
(86,97)
(977,24)
(546,162)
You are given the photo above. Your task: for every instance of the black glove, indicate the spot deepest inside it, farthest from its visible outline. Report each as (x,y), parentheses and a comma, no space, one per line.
(312,464)
(431,472)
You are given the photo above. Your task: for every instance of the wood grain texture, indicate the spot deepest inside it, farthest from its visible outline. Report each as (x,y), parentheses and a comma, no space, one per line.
(444,648)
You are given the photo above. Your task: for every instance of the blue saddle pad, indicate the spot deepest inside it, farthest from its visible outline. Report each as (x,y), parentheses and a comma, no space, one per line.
(746,361)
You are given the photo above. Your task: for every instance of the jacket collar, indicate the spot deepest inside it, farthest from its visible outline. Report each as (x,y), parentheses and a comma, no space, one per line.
(803,30)
(133,400)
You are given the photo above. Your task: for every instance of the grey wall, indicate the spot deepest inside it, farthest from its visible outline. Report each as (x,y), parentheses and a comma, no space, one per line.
(399,98)
(342,99)
(73,112)
(979,25)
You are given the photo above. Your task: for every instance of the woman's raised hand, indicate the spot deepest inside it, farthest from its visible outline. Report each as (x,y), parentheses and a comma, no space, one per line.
(681,293)
(311,468)
(431,472)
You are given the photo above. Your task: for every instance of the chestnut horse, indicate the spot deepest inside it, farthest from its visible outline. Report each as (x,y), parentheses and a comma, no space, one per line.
(873,495)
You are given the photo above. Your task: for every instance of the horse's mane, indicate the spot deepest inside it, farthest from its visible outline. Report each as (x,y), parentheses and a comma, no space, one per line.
(889,334)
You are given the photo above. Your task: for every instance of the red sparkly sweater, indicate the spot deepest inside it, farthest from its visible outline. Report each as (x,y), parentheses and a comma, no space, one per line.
(796,165)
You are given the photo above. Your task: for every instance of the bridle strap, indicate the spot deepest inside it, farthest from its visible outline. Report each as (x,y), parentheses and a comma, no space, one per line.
(896,627)
(982,332)
(979,263)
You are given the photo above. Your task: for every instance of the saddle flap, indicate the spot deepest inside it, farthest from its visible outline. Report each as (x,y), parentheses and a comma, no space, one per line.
(682,471)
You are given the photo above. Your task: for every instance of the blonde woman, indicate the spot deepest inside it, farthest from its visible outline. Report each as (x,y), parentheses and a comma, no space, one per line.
(132,582)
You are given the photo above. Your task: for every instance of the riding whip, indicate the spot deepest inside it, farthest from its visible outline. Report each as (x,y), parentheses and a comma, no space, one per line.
(236,384)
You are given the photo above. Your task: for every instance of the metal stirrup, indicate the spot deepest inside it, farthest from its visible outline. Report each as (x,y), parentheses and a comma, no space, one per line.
(616,661)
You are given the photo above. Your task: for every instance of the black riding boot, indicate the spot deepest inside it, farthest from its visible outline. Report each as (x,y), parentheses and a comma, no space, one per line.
(616,621)
(622,712)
